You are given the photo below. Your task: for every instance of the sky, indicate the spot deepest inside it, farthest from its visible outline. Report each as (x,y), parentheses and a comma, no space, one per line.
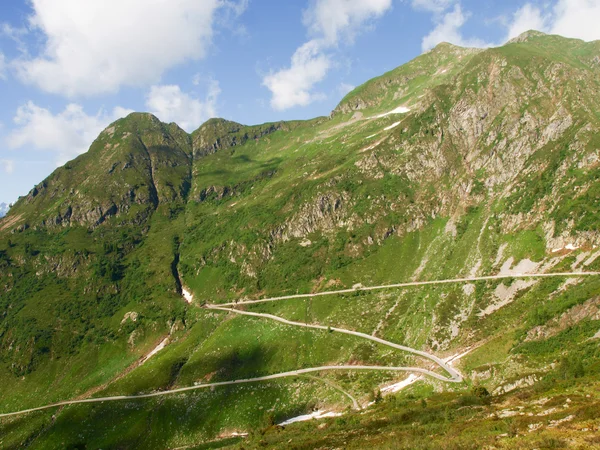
(68,68)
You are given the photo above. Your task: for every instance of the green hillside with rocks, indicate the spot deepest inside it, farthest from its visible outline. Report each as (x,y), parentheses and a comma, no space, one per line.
(476,168)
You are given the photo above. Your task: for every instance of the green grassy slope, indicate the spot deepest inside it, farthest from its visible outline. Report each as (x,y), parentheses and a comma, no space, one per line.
(493,168)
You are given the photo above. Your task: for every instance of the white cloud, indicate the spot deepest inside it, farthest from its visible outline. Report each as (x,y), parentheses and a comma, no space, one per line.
(66,134)
(2,67)
(170,104)
(577,19)
(526,18)
(334,19)
(328,22)
(448,29)
(7,165)
(292,87)
(570,18)
(436,6)
(94,47)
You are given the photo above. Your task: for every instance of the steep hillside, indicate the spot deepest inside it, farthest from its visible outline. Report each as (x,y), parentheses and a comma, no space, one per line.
(477,168)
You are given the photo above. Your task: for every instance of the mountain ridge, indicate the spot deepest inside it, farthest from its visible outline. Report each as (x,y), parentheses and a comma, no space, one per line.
(478,166)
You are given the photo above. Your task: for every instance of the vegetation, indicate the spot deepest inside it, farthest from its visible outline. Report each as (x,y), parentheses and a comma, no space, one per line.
(485,174)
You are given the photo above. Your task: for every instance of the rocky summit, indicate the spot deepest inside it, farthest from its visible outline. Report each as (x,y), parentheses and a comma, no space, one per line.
(427,258)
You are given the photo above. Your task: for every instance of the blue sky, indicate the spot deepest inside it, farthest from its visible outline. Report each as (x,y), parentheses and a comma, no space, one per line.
(70,67)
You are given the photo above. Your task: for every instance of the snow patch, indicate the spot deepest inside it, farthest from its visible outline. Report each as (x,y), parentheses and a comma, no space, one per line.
(397,387)
(372,146)
(569,247)
(311,416)
(398,110)
(394,125)
(187,295)
(157,349)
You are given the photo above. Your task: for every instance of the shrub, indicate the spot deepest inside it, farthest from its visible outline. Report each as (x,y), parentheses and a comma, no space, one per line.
(480,392)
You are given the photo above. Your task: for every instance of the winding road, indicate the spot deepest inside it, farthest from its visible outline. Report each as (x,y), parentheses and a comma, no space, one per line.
(455,376)
(412,283)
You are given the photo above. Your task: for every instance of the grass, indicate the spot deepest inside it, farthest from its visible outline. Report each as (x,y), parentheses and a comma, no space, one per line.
(305,207)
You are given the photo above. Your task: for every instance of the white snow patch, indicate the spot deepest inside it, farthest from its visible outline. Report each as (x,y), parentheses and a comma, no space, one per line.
(157,349)
(398,110)
(236,434)
(394,125)
(311,416)
(569,247)
(397,387)
(189,297)
(371,147)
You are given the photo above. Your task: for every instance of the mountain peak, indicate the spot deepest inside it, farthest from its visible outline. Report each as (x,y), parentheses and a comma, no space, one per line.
(526,36)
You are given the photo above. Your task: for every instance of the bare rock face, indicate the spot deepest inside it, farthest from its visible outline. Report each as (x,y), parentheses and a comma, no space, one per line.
(325,213)
(220,134)
(136,162)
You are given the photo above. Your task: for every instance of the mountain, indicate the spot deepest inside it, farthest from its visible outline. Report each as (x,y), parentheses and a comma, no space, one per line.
(475,168)
(3,209)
